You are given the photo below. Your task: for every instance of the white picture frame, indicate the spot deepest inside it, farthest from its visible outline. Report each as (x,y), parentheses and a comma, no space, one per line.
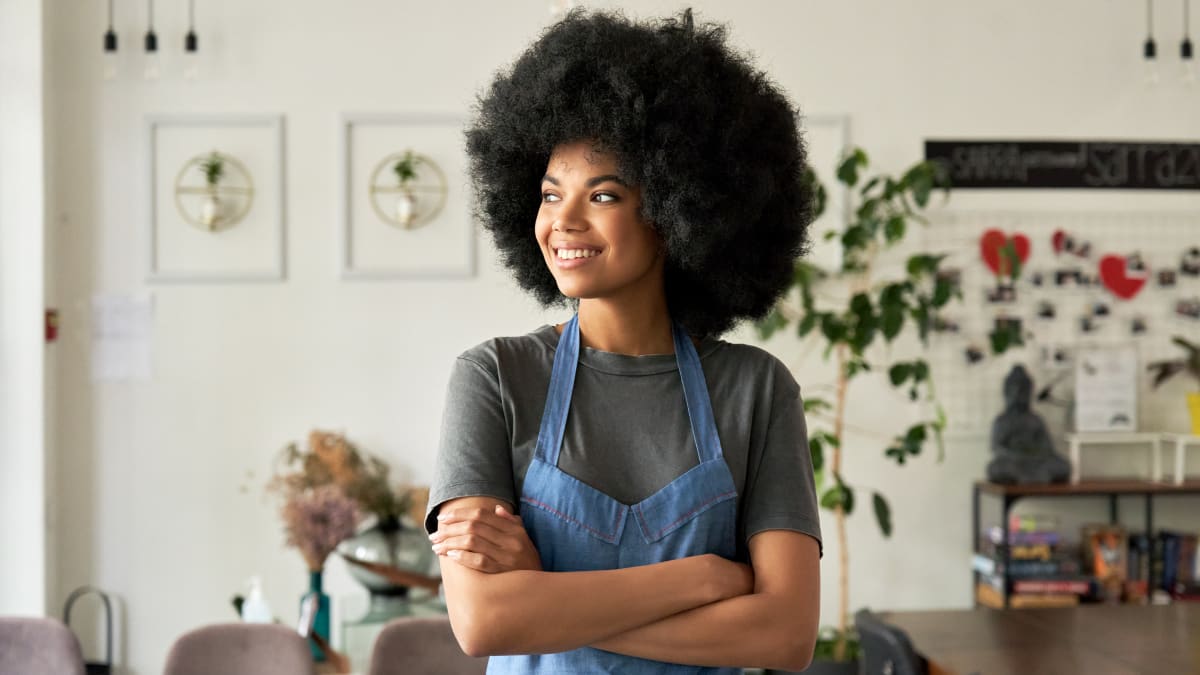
(254,250)
(372,249)
(828,139)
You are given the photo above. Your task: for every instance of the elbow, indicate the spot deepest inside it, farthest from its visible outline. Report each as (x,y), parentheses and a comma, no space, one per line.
(474,639)
(794,646)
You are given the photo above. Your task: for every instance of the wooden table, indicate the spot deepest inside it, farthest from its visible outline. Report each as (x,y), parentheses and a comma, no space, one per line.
(1109,639)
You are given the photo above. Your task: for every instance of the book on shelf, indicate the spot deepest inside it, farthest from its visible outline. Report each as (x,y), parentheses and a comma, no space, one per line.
(990,597)
(1032,523)
(1018,551)
(1059,566)
(1178,560)
(1077,585)
(995,535)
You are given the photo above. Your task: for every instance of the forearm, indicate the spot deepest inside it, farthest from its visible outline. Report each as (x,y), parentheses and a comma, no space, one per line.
(496,614)
(757,630)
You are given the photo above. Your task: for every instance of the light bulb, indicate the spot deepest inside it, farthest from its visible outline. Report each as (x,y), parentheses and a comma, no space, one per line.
(109,60)
(1187,68)
(191,56)
(1149,63)
(152,67)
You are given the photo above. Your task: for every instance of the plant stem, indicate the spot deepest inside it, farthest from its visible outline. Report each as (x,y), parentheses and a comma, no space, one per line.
(839,425)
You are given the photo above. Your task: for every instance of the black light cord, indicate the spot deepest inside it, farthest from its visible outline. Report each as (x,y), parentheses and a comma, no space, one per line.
(190,43)
(110,36)
(151,38)
(1149,50)
(1185,47)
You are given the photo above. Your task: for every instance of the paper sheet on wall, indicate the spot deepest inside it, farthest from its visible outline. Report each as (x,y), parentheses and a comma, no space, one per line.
(1106,388)
(122,336)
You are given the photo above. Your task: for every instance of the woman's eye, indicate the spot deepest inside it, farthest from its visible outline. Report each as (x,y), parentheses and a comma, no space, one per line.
(604,197)
(549,197)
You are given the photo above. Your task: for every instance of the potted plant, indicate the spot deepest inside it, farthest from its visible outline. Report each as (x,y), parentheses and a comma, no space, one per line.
(213,168)
(1189,364)
(853,312)
(406,204)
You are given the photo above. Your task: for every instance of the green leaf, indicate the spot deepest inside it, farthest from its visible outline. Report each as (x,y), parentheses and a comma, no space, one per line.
(921,184)
(943,289)
(899,373)
(920,370)
(916,433)
(816,405)
(817,450)
(805,325)
(819,196)
(883,514)
(923,263)
(770,325)
(829,234)
(893,230)
(847,172)
(855,237)
(891,320)
(833,328)
(838,494)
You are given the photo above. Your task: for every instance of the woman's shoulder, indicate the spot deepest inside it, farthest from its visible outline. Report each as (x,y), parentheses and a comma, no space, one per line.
(747,362)
(505,352)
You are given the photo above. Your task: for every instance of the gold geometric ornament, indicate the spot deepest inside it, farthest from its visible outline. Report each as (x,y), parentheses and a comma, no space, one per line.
(213,191)
(409,203)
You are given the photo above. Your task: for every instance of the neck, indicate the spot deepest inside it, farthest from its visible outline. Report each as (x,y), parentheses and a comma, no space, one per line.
(634,328)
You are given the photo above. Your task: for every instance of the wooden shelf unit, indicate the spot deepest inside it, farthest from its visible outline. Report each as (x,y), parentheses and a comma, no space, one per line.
(1010,494)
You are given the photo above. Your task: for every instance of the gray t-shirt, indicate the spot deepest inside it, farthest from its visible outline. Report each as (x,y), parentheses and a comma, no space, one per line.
(628,432)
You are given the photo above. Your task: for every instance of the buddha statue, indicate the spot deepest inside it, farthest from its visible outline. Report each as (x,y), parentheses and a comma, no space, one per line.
(1024,452)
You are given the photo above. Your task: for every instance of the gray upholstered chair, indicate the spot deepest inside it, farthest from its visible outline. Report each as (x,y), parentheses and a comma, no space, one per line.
(37,646)
(240,649)
(421,646)
(886,649)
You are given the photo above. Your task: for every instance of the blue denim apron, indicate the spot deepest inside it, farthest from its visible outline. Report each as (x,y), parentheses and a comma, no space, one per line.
(576,527)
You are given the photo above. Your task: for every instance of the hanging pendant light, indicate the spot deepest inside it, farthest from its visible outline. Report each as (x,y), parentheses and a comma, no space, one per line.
(1188,68)
(191,46)
(152,68)
(1149,49)
(110,47)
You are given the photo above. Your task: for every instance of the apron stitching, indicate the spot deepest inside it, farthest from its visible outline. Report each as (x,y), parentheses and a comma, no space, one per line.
(528,500)
(694,511)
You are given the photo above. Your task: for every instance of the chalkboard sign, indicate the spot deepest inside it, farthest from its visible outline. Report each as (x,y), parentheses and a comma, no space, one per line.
(1068,164)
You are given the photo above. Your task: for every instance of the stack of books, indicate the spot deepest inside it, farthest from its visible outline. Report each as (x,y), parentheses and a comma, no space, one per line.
(1175,571)
(1042,570)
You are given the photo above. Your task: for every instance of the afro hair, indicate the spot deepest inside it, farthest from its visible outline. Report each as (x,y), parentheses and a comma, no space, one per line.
(713,144)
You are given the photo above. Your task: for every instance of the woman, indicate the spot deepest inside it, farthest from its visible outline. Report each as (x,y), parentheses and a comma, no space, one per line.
(667,517)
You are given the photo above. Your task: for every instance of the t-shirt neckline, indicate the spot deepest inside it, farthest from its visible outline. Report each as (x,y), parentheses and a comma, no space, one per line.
(624,364)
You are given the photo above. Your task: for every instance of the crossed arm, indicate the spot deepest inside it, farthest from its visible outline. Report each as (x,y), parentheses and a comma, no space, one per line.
(702,610)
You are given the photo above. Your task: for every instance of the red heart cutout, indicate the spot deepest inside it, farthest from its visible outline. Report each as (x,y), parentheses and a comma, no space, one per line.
(991,245)
(1116,277)
(1058,240)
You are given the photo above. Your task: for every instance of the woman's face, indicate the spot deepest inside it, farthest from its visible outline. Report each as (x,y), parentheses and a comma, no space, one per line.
(589,228)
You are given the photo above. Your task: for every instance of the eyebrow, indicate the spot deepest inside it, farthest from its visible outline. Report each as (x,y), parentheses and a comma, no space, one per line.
(591,182)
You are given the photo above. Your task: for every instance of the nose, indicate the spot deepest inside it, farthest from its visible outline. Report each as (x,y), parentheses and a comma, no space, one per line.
(570,216)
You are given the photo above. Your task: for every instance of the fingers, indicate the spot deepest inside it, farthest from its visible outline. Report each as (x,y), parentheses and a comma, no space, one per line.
(475,561)
(492,531)
(499,518)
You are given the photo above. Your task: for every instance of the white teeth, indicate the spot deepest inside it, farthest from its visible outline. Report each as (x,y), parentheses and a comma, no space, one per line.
(571,254)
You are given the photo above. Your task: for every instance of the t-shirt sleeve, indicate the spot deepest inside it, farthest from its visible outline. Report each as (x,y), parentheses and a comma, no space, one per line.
(474,458)
(781,494)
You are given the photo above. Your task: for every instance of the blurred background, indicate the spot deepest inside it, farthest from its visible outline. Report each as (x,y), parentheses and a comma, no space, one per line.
(137,442)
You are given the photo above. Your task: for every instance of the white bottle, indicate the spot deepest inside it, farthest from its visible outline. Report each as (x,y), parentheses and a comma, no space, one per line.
(255,609)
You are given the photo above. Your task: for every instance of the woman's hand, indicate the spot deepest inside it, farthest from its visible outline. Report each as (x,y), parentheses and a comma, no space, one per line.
(486,540)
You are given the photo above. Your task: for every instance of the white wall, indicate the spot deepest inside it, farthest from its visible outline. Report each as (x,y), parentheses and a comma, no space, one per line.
(23,452)
(159,482)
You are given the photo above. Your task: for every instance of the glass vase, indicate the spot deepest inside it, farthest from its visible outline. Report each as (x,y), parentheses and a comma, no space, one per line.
(320,623)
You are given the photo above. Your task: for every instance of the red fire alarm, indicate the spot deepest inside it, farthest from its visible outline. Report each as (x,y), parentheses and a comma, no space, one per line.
(51,325)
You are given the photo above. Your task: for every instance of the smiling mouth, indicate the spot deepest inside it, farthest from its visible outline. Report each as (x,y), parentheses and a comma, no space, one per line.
(575,254)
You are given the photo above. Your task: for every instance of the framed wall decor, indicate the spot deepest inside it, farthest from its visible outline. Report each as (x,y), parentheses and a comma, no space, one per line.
(404,208)
(828,139)
(216,198)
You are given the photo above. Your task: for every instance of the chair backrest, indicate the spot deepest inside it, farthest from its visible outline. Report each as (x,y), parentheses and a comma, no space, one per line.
(38,646)
(886,650)
(240,649)
(421,646)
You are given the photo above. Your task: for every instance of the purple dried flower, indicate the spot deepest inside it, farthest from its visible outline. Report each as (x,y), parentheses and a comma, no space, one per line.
(317,520)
